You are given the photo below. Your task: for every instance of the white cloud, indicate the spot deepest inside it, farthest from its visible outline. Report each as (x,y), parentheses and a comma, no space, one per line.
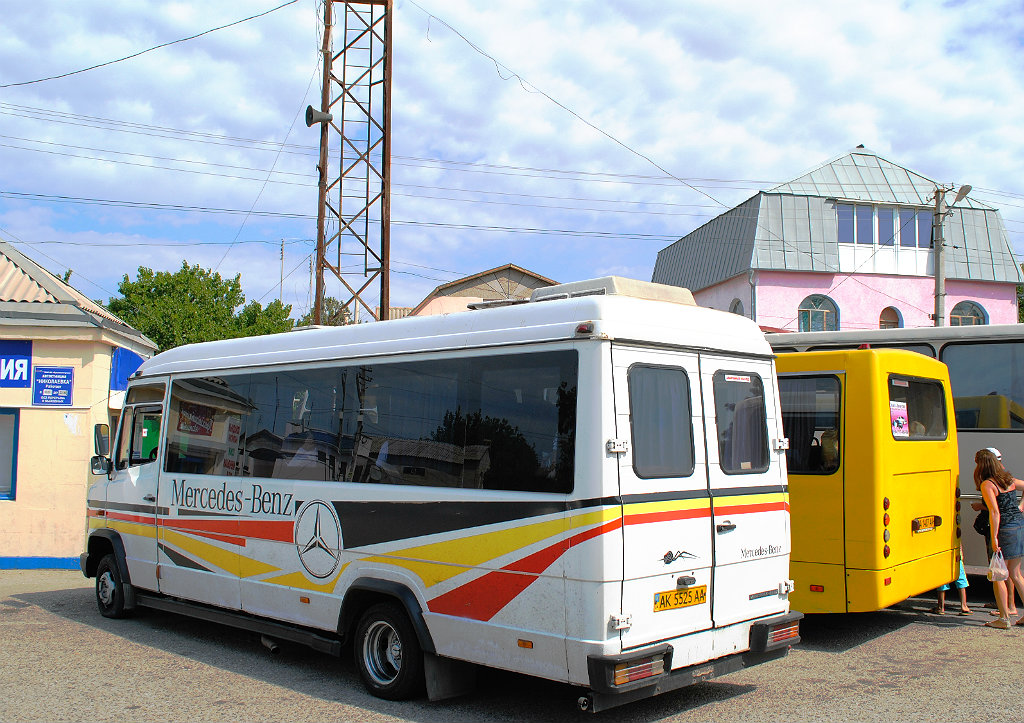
(707,90)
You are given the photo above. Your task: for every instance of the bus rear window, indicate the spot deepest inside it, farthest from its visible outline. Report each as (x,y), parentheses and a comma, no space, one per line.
(917,408)
(662,424)
(742,422)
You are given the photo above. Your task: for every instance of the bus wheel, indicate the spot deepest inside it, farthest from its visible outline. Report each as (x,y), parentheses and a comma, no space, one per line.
(388,654)
(109,592)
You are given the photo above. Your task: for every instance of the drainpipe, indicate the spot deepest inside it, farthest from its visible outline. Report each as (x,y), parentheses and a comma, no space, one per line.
(752,280)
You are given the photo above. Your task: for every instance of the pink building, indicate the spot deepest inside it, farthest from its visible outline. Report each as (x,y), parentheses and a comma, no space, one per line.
(848,246)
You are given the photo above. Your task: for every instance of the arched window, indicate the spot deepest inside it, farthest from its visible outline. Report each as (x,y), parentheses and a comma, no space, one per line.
(967,313)
(736,307)
(818,313)
(890,318)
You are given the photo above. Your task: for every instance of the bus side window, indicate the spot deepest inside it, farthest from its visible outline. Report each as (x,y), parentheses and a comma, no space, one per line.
(124,439)
(145,435)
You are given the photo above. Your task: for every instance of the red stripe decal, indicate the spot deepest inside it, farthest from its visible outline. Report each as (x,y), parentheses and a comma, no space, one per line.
(273,530)
(746,509)
(667,516)
(484,597)
(138,519)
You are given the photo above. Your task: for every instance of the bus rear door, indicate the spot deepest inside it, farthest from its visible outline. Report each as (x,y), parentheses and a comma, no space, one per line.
(667,567)
(747,478)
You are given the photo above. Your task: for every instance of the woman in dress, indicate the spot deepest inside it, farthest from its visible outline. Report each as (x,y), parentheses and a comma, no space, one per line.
(998,489)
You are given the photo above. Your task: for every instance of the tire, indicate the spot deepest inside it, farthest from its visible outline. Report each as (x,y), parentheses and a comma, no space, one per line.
(109,590)
(388,654)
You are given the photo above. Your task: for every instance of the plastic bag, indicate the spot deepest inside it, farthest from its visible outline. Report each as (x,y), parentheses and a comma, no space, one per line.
(997,571)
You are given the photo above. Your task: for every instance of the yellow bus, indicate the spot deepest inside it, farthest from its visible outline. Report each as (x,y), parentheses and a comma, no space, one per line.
(872,464)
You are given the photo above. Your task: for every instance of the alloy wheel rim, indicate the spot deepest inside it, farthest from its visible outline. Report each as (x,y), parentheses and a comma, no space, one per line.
(382,653)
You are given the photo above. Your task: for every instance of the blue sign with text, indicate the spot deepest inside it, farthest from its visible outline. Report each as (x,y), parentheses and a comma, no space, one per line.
(15,364)
(52,386)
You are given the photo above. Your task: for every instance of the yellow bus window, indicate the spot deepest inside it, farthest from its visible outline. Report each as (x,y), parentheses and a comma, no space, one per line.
(810,420)
(917,408)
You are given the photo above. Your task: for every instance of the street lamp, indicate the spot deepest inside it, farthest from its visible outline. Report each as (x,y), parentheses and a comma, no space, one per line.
(937,244)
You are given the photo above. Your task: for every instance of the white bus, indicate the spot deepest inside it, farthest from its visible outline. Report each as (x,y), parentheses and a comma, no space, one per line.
(589,487)
(986,372)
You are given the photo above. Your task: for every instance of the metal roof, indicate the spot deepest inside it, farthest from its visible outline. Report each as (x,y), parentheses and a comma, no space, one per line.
(31,295)
(793,227)
(863,175)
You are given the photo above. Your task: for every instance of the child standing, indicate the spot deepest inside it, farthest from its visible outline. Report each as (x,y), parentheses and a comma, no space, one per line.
(960,584)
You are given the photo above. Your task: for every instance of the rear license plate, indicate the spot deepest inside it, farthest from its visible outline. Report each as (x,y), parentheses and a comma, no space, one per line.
(923,524)
(673,599)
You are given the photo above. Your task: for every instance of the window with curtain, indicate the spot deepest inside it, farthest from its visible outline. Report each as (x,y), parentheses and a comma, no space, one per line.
(661,422)
(742,422)
(810,418)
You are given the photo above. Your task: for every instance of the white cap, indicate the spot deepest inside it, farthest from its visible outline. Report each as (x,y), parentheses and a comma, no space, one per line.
(996,452)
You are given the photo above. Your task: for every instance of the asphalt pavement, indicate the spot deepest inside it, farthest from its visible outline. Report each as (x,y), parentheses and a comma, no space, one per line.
(61,661)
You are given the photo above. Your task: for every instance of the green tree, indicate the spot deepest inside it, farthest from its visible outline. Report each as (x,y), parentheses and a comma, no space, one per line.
(1020,300)
(193,305)
(334,314)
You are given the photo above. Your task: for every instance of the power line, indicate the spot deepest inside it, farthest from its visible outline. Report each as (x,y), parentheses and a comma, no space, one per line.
(147,50)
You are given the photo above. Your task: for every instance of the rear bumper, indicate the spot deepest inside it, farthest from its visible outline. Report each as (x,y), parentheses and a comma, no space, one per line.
(605,694)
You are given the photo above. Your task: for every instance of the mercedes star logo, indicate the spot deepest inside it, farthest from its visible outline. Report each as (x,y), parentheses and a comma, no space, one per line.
(318,538)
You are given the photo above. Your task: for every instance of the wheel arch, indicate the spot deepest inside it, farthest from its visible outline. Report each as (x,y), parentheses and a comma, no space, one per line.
(368,591)
(106,542)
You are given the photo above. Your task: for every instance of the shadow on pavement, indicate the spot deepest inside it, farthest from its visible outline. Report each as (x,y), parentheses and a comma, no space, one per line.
(837,633)
(499,694)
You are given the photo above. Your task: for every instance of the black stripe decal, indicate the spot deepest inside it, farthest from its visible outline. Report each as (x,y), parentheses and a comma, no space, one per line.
(180,560)
(129,507)
(371,523)
(665,496)
(737,491)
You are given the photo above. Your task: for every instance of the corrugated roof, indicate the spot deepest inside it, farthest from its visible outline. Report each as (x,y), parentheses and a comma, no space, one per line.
(23,281)
(16,285)
(793,227)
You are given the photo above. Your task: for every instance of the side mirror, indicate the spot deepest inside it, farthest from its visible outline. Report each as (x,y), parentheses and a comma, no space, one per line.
(100,464)
(101,440)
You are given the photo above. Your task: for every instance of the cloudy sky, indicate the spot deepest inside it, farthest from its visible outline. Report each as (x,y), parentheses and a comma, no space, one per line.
(574,139)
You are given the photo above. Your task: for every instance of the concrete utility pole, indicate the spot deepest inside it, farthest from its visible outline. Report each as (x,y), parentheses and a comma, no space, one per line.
(938,246)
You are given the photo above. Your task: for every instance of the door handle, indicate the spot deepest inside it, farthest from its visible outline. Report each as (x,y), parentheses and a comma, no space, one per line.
(725,527)
(149,498)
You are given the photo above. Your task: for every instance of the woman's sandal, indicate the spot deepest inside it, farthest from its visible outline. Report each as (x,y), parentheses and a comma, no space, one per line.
(1020,622)
(938,611)
(966,612)
(1001,623)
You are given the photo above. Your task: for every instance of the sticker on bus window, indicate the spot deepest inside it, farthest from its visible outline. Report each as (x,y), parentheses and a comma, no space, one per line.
(900,383)
(737,378)
(898,418)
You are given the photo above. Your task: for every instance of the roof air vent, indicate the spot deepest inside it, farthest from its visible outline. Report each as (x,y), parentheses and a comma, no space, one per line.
(615,286)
